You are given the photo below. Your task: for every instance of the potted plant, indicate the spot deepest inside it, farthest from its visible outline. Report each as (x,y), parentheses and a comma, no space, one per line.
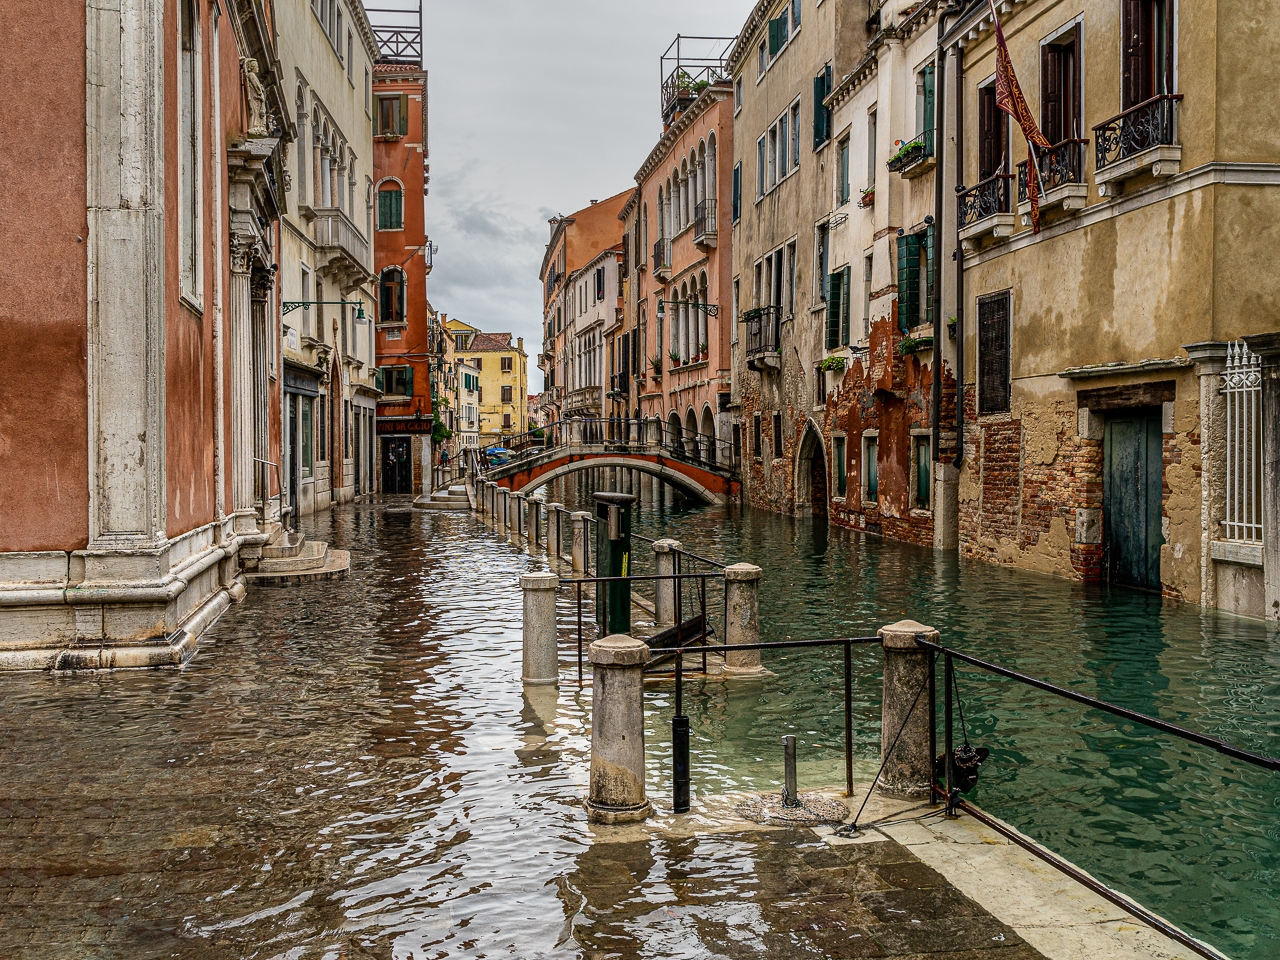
(908,153)
(868,197)
(656,362)
(704,350)
(915,344)
(675,358)
(951,327)
(833,363)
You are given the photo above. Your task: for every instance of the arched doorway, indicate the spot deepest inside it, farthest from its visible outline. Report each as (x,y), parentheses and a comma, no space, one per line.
(674,431)
(708,431)
(811,474)
(693,443)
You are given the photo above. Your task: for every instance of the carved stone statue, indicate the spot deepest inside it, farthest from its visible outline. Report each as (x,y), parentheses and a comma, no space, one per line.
(256,96)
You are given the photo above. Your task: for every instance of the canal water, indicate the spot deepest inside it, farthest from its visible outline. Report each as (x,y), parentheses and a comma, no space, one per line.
(351,768)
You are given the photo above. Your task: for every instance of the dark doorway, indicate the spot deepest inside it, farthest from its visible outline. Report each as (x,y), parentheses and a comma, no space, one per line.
(1131,494)
(818,482)
(397,465)
(291,451)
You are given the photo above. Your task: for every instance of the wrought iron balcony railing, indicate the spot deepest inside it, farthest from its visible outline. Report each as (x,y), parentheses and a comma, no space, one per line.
(912,152)
(764,331)
(1149,124)
(987,198)
(662,255)
(704,220)
(1059,165)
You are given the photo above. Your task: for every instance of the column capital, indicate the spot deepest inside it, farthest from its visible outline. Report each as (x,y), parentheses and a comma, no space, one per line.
(742,572)
(667,546)
(618,650)
(902,635)
(1209,356)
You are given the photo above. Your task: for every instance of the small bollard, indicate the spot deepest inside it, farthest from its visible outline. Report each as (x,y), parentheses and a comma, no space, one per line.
(541,661)
(535,522)
(790,796)
(742,619)
(905,722)
(501,513)
(513,515)
(554,547)
(616,793)
(664,559)
(580,519)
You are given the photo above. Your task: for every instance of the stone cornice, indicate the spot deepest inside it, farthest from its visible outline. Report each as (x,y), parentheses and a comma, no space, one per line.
(746,36)
(715,93)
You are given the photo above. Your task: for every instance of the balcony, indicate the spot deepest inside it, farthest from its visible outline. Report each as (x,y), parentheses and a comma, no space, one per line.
(340,246)
(704,224)
(1140,140)
(1061,179)
(763,340)
(914,158)
(986,210)
(662,260)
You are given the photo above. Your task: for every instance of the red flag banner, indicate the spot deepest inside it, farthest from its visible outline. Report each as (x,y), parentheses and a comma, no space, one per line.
(1009,98)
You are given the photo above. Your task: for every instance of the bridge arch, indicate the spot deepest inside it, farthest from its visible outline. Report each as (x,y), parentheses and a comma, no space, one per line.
(659,468)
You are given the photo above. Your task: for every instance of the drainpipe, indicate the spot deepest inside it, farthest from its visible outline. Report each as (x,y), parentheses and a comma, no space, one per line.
(939,151)
(959,266)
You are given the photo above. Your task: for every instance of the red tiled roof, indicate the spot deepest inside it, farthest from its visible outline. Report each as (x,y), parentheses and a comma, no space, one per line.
(491,341)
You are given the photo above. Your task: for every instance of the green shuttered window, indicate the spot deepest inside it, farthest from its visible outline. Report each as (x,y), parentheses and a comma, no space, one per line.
(838,309)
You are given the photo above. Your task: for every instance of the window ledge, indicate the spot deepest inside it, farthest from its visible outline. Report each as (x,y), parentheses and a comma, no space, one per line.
(1243,552)
(1164,160)
(998,225)
(1069,196)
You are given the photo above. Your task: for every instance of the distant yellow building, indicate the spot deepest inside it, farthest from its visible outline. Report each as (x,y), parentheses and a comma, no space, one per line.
(504,378)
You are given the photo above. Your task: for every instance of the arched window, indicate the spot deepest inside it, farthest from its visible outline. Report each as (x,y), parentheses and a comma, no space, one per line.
(390,206)
(391,296)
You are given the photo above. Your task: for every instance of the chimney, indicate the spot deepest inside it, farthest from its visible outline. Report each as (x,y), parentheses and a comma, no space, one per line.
(520,344)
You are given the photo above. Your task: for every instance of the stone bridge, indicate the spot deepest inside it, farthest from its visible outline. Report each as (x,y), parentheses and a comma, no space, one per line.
(699,466)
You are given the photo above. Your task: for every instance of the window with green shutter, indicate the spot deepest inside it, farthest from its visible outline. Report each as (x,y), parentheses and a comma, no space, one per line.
(844,306)
(926,268)
(404,114)
(819,111)
(908,281)
(391,208)
(835,291)
(737,191)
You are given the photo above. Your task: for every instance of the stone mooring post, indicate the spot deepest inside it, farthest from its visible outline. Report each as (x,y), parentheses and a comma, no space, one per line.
(541,661)
(554,513)
(517,518)
(742,619)
(664,607)
(908,771)
(616,793)
(500,514)
(580,518)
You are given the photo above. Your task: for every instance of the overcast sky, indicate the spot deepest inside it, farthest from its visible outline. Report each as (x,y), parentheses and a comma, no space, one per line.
(536,108)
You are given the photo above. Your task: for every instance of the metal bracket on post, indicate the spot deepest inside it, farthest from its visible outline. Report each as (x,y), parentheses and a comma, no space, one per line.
(790,796)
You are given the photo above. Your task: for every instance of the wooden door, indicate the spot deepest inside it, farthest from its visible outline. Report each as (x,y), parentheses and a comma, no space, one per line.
(1131,499)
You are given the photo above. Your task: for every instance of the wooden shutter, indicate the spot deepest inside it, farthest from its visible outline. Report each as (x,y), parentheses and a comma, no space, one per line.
(384,209)
(844,306)
(775,36)
(993,354)
(1051,92)
(1074,111)
(926,264)
(834,291)
(737,190)
(819,111)
(988,133)
(908,281)
(1135,21)
(404,114)
(928,118)
(397,208)
(408,381)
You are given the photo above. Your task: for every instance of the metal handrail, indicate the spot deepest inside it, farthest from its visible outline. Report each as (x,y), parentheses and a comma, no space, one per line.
(279,489)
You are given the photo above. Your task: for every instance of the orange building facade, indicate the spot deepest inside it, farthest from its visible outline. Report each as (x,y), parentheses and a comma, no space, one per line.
(408,334)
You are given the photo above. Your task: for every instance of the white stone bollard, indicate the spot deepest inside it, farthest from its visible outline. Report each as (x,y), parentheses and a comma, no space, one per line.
(581,550)
(664,591)
(536,530)
(742,619)
(908,772)
(513,515)
(541,660)
(575,430)
(501,513)
(554,513)
(616,793)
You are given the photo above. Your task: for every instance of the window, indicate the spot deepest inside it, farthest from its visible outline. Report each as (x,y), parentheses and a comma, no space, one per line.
(1147,29)
(779,33)
(390,207)
(994,385)
(393,116)
(350,58)
(838,309)
(870,470)
(924,466)
(737,95)
(477,363)
(783,141)
(737,442)
(322,428)
(991,134)
(867,264)
(791,278)
(820,255)
(1060,87)
(842,475)
(506,421)
(391,296)
(821,114)
(506,394)
(736,310)
(843,171)
(506,364)
(924,107)
(306,297)
(773,156)
(189,146)
(777,435)
(1243,389)
(397,381)
(795,13)
(761,62)
(795,133)
(760,168)
(871,149)
(819,386)
(737,191)
(599,283)
(305,437)
(366,92)
(459,341)
(915,279)
(756,447)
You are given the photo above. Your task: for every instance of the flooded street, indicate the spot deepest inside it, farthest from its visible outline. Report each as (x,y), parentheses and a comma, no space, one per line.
(352,768)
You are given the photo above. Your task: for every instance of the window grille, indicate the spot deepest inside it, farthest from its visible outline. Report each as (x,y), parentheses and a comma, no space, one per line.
(993,354)
(1242,384)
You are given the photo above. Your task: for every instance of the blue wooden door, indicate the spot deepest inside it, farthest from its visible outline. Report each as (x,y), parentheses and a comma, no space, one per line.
(1131,495)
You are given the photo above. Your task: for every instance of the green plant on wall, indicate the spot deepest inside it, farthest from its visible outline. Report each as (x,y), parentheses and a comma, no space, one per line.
(439,432)
(833,363)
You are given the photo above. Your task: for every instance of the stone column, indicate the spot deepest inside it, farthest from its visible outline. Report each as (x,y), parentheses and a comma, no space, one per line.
(742,618)
(654,430)
(317,177)
(241,325)
(616,793)
(536,530)
(581,548)
(501,512)
(665,590)
(1211,362)
(555,545)
(575,430)
(1267,346)
(513,514)
(908,773)
(541,662)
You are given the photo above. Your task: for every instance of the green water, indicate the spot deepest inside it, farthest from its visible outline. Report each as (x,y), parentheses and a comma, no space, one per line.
(1189,833)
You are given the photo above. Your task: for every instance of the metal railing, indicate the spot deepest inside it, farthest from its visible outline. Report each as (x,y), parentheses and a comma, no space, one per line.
(1060,165)
(704,220)
(332,228)
(614,434)
(764,330)
(986,199)
(1152,123)
(1242,386)
(662,254)
(912,152)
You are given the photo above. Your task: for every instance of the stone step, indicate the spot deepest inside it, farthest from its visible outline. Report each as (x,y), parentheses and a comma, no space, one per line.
(288,544)
(337,564)
(310,557)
